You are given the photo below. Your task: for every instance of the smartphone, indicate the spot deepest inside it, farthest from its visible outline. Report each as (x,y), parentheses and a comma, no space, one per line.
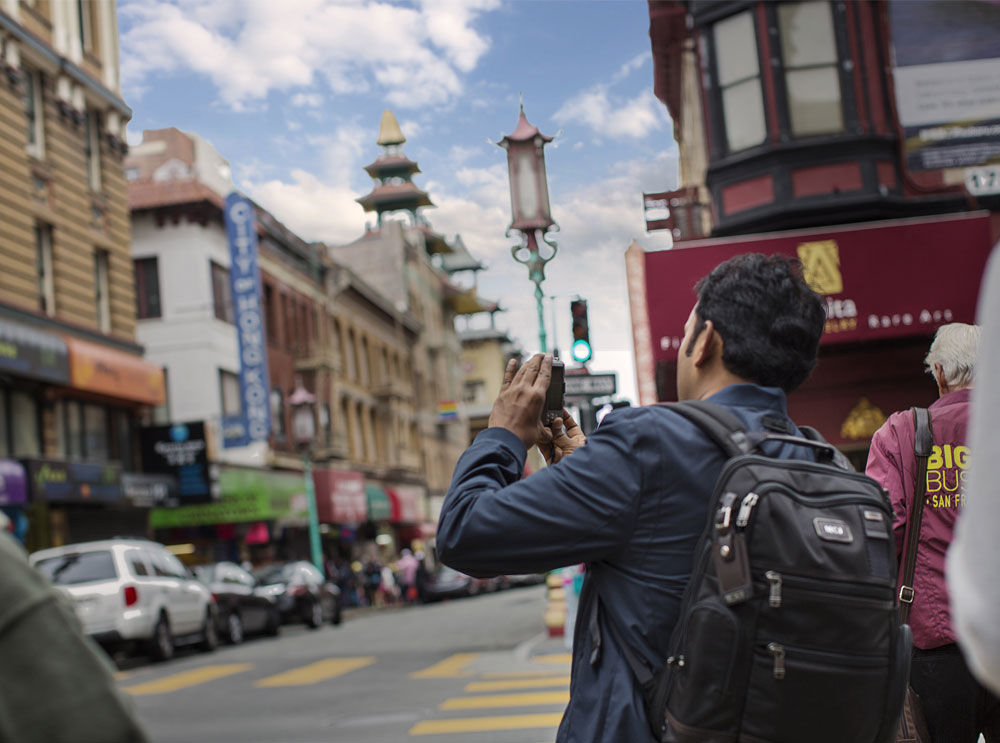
(554,397)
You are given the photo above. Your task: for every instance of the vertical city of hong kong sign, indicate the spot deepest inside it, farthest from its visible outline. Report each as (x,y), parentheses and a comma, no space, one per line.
(254,422)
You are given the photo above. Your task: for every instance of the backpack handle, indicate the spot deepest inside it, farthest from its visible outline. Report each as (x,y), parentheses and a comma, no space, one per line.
(828,451)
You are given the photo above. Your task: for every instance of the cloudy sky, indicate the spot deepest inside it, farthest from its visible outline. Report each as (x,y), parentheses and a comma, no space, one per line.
(291,93)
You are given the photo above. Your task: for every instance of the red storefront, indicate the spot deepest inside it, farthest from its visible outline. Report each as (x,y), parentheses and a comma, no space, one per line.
(888,286)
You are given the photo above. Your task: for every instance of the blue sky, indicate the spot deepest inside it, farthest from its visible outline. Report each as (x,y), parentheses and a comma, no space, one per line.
(291,93)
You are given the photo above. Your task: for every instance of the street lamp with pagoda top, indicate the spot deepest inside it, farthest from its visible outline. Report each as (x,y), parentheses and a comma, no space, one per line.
(303,405)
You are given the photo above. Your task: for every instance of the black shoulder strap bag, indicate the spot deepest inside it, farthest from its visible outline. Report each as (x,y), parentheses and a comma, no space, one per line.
(912,725)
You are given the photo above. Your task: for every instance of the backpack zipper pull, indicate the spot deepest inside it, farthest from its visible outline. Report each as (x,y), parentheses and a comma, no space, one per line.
(779,659)
(749,501)
(774,597)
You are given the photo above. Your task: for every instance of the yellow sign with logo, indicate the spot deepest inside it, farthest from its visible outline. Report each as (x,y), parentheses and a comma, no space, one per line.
(821,264)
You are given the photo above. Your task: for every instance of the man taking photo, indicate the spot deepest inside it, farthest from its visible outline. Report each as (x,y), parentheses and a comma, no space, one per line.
(631,502)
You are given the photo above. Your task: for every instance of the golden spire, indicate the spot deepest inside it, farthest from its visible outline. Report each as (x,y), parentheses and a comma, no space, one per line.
(389,132)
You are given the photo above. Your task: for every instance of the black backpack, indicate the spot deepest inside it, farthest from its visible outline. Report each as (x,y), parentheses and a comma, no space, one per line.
(788,630)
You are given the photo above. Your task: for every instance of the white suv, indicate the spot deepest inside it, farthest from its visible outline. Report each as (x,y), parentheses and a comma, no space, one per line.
(132,591)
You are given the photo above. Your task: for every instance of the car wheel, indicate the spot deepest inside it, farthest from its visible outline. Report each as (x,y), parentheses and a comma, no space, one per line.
(315,616)
(338,616)
(161,647)
(209,634)
(273,623)
(234,628)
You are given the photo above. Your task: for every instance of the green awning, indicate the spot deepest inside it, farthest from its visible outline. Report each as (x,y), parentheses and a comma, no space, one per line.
(379,507)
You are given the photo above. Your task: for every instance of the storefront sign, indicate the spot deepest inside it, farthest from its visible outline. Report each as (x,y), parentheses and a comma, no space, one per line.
(340,496)
(74,481)
(947,64)
(114,373)
(180,450)
(407,504)
(149,491)
(13,483)
(33,353)
(880,280)
(247,495)
(379,506)
(255,422)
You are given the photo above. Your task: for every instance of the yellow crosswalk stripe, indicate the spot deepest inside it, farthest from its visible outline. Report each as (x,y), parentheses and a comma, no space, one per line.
(187,678)
(313,673)
(517,674)
(450,667)
(566,658)
(531,683)
(486,724)
(121,675)
(532,699)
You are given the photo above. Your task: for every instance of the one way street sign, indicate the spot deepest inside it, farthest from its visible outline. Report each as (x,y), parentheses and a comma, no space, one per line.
(591,385)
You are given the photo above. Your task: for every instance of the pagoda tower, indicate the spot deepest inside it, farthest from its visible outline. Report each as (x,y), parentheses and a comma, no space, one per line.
(393,172)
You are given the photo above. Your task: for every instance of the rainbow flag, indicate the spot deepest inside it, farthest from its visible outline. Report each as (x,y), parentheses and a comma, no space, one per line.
(448,410)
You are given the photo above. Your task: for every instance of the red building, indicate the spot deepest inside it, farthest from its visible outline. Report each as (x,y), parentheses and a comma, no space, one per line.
(855,136)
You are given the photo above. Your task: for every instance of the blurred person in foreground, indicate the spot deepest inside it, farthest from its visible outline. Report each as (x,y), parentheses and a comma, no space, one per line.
(957,708)
(55,684)
(974,558)
(632,502)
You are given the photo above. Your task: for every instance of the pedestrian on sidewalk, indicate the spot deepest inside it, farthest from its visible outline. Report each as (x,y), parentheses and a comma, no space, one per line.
(956,706)
(407,567)
(631,502)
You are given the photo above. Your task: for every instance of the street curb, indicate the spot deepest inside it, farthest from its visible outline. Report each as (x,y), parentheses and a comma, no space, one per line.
(523,651)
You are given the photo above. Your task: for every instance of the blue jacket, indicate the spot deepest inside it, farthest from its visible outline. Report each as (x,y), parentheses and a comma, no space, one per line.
(632,504)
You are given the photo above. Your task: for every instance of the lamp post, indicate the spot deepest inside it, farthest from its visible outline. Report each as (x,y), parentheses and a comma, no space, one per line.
(303,404)
(529,200)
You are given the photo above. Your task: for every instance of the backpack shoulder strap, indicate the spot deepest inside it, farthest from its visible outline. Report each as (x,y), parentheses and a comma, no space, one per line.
(923,443)
(837,457)
(717,423)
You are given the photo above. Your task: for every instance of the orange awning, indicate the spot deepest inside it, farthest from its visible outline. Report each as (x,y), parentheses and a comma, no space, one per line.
(114,373)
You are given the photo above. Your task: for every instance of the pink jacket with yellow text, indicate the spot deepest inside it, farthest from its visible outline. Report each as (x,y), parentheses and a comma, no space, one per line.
(892,464)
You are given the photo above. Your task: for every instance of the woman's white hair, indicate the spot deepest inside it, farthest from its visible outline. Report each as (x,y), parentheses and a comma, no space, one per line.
(956,350)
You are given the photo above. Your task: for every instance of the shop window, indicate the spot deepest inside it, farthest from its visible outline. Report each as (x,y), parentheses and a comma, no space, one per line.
(121,426)
(102,289)
(43,268)
(34,112)
(229,386)
(72,414)
(812,73)
(92,148)
(738,72)
(95,433)
(26,436)
(147,288)
(222,294)
(277,414)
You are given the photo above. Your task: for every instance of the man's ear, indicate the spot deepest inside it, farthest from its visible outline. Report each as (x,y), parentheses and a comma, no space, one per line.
(705,345)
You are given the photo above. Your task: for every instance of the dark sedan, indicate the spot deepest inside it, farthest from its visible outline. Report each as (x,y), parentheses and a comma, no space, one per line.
(241,610)
(301,593)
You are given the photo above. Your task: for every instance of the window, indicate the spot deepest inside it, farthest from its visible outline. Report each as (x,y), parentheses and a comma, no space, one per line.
(81,567)
(812,72)
(87,24)
(131,174)
(324,423)
(43,266)
(92,148)
(229,385)
(222,293)
(95,433)
(147,288)
(277,414)
(121,427)
(475,389)
(34,112)
(26,440)
(102,288)
(138,564)
(738,71)
(73,428)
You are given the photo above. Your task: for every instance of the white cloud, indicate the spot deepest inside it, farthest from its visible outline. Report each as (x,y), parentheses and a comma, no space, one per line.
(310,100)
(252,47)
(594,108)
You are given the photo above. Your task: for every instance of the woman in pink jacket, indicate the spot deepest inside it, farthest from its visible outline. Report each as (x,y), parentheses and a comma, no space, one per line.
(957,707)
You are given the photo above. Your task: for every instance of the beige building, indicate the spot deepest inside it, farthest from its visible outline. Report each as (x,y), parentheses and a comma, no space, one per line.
(485,353)
(73,383)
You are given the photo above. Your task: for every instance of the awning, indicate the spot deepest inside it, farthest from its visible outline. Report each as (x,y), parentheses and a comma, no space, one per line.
(33,353)
(114,373)
(407,504)
(13,483)
(379,506)
(340,496)
(880,280)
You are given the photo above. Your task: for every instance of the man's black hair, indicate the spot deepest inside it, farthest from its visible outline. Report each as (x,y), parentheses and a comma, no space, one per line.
(769,319)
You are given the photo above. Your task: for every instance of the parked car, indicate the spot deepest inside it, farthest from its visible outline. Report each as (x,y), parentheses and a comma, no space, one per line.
(132,592)
(240,610)
(527,579)
(448,583)
(301,593)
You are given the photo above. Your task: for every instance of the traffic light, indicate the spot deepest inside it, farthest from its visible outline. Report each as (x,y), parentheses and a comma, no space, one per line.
(580,350)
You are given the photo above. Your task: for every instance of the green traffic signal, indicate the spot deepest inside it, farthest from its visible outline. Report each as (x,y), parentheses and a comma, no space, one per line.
(581,351)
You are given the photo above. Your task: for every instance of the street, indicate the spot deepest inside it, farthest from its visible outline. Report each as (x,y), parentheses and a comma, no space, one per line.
(478,669)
